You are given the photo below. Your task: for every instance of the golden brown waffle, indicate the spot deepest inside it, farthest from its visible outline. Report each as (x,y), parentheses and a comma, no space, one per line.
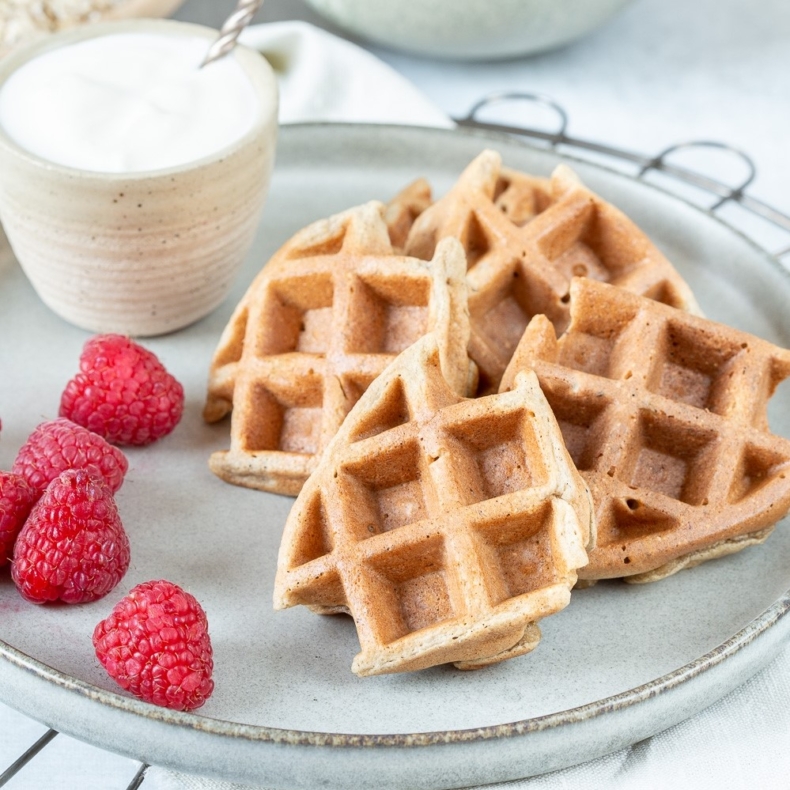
(399,215)
(403,210)
(664,415)
(322,320)
(525,238)
(446,527)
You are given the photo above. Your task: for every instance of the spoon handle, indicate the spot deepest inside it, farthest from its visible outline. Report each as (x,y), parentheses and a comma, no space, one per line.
(231,30)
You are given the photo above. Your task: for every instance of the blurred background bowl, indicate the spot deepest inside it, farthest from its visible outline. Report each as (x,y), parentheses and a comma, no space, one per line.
(469,29)
(22,21)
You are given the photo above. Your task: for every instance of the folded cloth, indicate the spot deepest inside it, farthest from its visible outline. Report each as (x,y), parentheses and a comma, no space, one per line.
(325,78)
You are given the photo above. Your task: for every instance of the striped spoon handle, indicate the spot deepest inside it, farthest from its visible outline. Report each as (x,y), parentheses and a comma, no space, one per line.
(231,30)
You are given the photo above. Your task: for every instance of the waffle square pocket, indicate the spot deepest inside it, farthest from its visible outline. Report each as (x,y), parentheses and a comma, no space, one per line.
(665,415)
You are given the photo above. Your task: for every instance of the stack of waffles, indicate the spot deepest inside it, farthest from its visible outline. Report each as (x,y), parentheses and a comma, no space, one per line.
(324,318)
(483,402)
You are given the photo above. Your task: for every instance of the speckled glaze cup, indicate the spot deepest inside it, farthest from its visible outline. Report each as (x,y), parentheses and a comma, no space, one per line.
(140,253)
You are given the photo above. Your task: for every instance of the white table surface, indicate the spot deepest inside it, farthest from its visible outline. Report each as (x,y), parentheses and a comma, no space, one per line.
(661,72)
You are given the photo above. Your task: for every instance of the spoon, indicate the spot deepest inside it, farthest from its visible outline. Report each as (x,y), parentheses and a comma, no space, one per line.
(231,30)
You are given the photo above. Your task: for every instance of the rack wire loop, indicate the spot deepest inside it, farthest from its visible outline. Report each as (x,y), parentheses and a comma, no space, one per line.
(735,193)
(501,97)
(644,163)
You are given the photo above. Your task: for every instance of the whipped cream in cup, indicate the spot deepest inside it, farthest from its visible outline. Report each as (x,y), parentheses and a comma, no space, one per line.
(127,102)
(131,181)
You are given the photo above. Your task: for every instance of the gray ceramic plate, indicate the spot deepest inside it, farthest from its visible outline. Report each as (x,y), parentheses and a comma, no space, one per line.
(619,664)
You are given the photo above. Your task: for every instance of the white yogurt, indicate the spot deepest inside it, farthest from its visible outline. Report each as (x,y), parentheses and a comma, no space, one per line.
(127,102)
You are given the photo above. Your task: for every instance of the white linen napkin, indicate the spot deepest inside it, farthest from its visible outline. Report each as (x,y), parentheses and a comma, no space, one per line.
(325,78)
(741,741)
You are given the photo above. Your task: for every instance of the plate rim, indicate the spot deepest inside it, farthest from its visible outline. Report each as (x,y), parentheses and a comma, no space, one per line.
(589,711)
(278,735)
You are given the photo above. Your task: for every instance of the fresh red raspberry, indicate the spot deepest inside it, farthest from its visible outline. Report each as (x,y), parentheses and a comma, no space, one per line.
(155,644)
(73,546)
(17,497)
(58,445)
(122,392)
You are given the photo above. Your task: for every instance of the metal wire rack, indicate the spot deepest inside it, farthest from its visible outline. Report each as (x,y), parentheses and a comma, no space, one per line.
(643,165)
(772,231)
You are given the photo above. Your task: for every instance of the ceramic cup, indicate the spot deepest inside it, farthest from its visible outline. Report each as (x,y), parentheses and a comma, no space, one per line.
(140,253)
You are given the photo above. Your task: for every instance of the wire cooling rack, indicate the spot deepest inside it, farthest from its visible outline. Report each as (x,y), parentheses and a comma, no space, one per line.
(764,224)
(772,227)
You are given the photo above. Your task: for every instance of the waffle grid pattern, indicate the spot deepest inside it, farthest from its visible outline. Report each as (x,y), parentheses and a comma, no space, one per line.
(664,414)
(441,520)
(525,239)
(326,319)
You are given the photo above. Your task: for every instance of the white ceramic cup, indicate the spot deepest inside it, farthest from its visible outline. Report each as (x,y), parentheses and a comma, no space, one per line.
(141,253)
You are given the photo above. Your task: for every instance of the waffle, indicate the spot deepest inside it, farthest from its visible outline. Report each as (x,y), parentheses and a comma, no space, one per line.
(319,323)
(525,238)
(399,215)
(446,527)
(665,416)
(403,210)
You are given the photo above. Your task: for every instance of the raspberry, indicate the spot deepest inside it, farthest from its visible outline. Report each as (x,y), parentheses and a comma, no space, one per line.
(73,546)
(122,392)
(16,499)
(58,445)
(155,644)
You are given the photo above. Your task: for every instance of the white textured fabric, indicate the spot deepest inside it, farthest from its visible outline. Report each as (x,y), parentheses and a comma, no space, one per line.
(324,78)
